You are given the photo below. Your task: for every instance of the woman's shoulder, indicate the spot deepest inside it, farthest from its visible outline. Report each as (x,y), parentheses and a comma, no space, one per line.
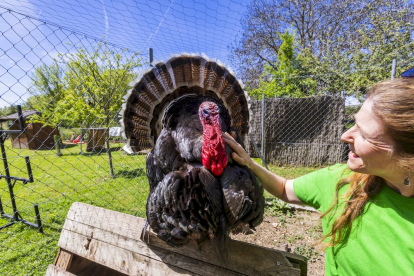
(337,171)
(318,188)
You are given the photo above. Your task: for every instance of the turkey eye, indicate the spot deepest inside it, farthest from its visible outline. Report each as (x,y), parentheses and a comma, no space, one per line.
(205,113)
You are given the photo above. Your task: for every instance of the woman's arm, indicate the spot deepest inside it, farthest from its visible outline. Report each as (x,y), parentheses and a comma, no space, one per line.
(274,184)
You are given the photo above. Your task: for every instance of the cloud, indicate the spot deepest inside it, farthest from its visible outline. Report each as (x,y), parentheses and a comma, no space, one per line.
(106,18)
(149,40)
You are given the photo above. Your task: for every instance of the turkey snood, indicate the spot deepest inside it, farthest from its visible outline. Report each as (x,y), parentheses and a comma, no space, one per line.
(214,157)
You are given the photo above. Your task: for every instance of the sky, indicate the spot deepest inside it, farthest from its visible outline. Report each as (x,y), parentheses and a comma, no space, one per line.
(33,32)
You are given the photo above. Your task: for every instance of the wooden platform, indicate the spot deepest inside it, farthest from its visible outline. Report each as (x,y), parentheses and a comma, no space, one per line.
(97,241)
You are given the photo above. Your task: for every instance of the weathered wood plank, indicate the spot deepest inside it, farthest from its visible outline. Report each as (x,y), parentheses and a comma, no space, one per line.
(57,271)
(137,246)
(117,258)
(63,259)
(124,230)
(116,222)
(243,257)
(298,262)
(84,267)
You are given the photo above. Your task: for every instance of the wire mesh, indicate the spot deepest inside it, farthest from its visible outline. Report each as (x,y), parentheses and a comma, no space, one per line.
(82,171)
(73,142)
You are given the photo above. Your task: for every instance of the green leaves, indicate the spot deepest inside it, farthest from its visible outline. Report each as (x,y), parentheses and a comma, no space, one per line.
(342,47)
(84,88)
(286,80)
(368,59)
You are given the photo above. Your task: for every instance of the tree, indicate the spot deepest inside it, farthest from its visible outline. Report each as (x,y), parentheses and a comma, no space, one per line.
(93,85)
(96,84)
(7,110)
(47,89)
(352,71)
(323,27)
(286,80)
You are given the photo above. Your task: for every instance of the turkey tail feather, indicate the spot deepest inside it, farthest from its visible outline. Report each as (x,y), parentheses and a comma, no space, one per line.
(150,95)
(221,239)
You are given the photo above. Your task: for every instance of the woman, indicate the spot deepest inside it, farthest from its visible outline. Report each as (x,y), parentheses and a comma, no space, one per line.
(367,204)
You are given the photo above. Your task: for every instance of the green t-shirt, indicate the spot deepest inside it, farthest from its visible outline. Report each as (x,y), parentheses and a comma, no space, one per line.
(381,241)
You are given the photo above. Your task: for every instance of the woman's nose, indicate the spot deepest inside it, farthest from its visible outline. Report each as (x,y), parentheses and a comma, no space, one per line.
(347,136)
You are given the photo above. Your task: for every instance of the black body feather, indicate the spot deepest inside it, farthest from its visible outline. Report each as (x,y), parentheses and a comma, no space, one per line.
(186,201)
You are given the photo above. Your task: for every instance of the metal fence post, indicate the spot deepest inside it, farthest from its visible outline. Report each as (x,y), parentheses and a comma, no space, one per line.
(111,168)
(394,66)
(263,112)
(150,55)
(57,144)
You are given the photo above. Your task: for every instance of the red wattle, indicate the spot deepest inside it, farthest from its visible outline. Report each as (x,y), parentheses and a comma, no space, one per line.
(214,157)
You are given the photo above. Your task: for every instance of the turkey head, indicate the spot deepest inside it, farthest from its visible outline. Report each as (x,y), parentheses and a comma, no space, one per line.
(214,156)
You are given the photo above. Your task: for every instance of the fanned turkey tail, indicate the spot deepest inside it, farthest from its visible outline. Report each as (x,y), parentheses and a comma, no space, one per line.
(145,103)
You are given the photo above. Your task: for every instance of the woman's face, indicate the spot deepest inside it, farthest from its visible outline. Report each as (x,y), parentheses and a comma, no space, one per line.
(370,146)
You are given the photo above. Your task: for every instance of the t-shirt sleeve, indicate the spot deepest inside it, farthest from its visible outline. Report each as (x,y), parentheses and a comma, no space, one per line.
(317,189)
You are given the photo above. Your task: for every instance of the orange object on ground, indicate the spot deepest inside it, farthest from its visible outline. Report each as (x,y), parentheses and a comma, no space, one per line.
(77,139)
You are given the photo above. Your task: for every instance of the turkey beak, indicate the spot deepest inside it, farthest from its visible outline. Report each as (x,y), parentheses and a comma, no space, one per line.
(206,115)
(208,119)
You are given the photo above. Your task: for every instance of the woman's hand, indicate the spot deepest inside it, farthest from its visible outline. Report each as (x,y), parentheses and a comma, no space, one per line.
(239,155)
(274,184)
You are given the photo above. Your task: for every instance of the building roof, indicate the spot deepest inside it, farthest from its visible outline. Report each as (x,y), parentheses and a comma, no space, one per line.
(15,116)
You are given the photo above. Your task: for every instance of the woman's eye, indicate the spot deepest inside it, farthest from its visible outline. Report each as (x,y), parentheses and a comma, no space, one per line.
(357,130)
(362,135)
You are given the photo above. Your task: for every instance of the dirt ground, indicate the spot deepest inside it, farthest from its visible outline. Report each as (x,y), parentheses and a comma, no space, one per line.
(296,231)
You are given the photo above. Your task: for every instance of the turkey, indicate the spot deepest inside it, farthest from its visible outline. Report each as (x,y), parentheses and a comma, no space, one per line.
(180,110)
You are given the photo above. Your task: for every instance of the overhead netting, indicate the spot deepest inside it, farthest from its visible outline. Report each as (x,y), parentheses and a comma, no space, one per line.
(65,67)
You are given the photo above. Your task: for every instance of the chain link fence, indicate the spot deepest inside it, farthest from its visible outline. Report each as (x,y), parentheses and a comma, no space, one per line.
(67,149)
(299,131)
(62,155)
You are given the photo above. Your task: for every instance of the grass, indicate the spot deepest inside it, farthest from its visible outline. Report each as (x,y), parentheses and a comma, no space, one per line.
(60,181)
(308,251)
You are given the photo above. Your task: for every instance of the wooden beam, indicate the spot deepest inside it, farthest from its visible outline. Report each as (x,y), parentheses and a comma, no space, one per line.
(63,259)
(243,258)
(53,270)
(76,237)
(88,228)
(117,258)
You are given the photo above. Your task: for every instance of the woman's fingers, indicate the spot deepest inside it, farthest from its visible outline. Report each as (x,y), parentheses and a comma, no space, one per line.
(228,136)
(231,142)
(238,159)
(239,155)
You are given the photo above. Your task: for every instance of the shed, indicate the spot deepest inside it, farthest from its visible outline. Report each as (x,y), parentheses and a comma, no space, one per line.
(35,135)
